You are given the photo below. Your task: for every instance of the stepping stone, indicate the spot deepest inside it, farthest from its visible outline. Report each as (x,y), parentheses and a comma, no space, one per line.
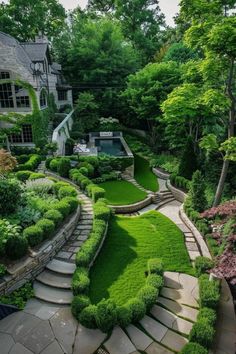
(83,227)
(188,282)
(53,348)
(171,280)
(85,232)
(174,341)
(183,228)
(191,246)
(156,348)
(39,338)
(54,295)
(82,238)
(139,338)
(87,341)
(41,309)
(85,222)
(164,316)
(193,255)
(74,249)
(182,326)
(189,239)
(64,255)
(154,328)
(18,324)
(178,309)
(64,328)
(61,267)
(188,234)
(55,280)
(7,343)
(119,343)
(182,296)
(20,349)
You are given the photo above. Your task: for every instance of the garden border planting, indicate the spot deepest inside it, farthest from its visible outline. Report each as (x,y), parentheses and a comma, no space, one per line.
(28,268)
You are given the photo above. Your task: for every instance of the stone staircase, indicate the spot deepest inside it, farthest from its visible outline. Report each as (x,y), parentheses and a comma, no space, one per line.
(135,183)
(163,197)
(41,167)
(53,285)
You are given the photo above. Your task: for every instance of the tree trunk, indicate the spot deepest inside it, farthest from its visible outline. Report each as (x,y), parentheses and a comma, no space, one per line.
(231,123)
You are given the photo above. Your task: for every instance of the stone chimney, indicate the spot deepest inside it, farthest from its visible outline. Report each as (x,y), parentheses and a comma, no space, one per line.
(40,38)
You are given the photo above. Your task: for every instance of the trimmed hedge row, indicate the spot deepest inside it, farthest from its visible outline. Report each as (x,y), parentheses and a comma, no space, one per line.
(202,333)
(180,182)
(25,175)
(31,164)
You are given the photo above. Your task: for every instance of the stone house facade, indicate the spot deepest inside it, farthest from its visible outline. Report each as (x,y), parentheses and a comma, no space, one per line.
(30,62)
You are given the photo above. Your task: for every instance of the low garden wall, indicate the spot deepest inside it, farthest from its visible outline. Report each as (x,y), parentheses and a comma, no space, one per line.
(177,193)
(28,268)
(159,173)
(131,208)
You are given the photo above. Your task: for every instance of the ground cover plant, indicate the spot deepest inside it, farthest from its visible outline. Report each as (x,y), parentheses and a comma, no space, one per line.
(129,244)
(144,175)
(122,192)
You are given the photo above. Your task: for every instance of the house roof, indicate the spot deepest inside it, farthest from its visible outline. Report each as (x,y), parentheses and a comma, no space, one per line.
(22,55)
(36,51)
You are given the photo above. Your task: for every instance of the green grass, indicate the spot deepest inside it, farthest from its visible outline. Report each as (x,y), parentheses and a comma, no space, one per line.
(143,174)
(122,192)
(119,271)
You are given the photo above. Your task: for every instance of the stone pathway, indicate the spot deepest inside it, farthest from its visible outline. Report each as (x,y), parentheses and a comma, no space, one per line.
(171,210)
(54,283)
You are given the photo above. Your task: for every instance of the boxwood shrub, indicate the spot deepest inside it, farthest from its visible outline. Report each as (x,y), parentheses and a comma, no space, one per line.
(137,309)
(148,294)
(63,207)
(16,247)
(209,292)
(155,266)
(73,203)
(101,211)
(36,175)
(202,264)
(67,191)
(53,165)
(87,317)
(47,226)
(32,163)
(106,315)
(193,348)
(34,235)
(78,304)
(60,184)
(64,167)
(124,316)
(54,215)
(80,281)
(23,175)
(202,333)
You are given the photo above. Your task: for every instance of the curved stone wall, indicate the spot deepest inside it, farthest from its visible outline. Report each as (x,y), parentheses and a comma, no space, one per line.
(131,208)
(159,173)
(177,193)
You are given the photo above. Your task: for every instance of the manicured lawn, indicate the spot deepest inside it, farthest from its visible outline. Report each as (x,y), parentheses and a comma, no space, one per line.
(119,271)
(122,192)
(143,174)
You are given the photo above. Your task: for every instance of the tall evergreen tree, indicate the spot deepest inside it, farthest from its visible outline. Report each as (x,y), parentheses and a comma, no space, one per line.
(197,192)
(188,163)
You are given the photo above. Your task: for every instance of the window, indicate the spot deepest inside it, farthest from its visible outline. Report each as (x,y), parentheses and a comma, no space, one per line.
(62,95)
(12,96)
(22,100)
(43,99)
(25,136)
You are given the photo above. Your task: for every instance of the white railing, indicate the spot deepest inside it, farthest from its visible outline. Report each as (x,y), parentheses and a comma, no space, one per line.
(62,133)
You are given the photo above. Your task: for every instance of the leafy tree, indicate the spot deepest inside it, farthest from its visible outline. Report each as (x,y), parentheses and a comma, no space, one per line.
(98,60)
(101,5)
(7,162)
(86,111)
(188,162)
(149,87)
(197,192)
(23,19)
(180,53)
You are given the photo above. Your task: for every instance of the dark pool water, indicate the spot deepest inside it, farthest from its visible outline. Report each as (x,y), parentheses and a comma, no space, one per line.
(112,147)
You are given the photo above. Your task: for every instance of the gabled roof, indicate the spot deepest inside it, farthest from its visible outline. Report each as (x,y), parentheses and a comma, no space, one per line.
(22,55)
(36,51)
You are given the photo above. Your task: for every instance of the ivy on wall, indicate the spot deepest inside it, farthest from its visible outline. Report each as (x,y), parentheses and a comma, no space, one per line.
(38,119)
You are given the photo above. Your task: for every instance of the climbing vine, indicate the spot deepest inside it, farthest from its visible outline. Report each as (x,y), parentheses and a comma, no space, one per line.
(38,119)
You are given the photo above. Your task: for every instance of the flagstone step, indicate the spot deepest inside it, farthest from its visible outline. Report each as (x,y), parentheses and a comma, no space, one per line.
(119,343)
(141,340)
(53,295)
(165,201)
(54,279)
(61,267)
(181,310)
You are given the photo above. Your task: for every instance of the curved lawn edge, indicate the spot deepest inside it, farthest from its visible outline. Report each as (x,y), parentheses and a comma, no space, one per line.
(122,193)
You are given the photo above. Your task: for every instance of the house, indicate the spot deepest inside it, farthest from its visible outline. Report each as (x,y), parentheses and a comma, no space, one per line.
(30,62)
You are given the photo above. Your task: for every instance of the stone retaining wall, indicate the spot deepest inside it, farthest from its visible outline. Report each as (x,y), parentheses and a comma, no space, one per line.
(27,269)
(160,174)
(177,193)
(131,208)
(198,237)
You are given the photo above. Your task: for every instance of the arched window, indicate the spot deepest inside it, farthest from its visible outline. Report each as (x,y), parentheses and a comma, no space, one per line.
(43,99)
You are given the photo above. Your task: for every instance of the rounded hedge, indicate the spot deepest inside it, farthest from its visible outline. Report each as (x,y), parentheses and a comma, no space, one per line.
(155,266)
(155,280)
(73,203)
(54,215)
(208,315)
(84,171)
(16,247)
(87,317)
(34,235)
(193,348)
(78,304)
(137,308)
(106,315)
(36,175)
(202,333)
(47,226)
(67,191)
(23,175)
(64,167)
(202,264)
(53,165)
(148,295)
(10,195)
(58,185)
(124,316)
(80,281)
(63,207)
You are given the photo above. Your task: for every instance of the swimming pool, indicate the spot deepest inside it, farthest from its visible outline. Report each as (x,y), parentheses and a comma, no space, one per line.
(110,146)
